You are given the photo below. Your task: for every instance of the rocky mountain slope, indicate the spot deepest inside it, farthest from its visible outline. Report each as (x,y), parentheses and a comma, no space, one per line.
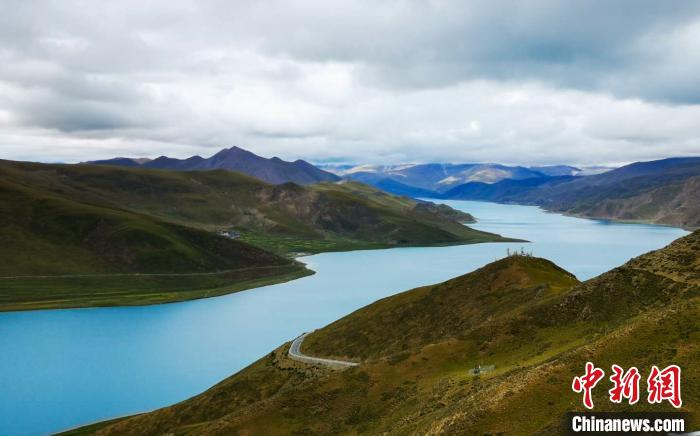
(532,324)
(273,170)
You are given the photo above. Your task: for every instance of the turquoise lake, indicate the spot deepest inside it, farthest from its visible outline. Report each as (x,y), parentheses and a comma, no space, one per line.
(63,368)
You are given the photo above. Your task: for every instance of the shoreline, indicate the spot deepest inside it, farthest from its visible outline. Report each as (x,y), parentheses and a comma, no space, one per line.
(153,298)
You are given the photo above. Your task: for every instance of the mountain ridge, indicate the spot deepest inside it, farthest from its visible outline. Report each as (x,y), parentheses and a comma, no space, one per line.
(273,170)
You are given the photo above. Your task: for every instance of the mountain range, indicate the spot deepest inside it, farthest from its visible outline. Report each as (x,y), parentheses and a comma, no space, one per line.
(527,325)
(273,170)
(440,177)
(664,192)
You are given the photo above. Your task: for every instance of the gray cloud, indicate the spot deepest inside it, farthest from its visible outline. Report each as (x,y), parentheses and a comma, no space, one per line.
(529,82)
(629,48)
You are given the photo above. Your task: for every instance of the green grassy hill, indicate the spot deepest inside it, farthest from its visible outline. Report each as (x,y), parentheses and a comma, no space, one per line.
(61,253)
(283,218)
(529,318)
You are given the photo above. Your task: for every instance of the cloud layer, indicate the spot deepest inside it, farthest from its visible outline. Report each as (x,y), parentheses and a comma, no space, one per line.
(579,82)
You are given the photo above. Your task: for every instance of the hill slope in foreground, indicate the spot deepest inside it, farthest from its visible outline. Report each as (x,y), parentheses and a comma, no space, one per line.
(80,235)
(534,321)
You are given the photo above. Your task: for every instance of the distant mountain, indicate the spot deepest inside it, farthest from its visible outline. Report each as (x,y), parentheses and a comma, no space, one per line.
(505,191)
(435,178)
(397,188)
(441,177)
(592,170)
(274,170)
(557,170)
(665,191)
(338,169)
(566,170)
(490,352)
(122,161)
(167,163)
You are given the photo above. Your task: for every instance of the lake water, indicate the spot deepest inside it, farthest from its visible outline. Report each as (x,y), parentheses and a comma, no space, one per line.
(63,368)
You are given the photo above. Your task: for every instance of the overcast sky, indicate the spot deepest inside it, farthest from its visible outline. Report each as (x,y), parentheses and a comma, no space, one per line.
(535,82)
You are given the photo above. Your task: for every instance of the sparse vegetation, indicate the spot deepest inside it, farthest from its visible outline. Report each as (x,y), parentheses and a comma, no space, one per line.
(526,318)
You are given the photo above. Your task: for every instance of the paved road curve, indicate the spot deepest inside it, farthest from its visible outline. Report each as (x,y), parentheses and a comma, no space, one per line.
(296,354)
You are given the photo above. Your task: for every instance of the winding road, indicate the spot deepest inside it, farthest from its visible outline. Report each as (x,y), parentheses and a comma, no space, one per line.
(296,354)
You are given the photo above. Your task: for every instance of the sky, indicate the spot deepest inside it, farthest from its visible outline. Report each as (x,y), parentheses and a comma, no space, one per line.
(538,82)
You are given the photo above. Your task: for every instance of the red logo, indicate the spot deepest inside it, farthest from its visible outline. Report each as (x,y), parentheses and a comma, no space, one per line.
(626,385)
(662,385)
(587,382)
(665,385)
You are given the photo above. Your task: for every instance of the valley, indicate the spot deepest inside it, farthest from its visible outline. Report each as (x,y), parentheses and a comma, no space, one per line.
(134,359)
